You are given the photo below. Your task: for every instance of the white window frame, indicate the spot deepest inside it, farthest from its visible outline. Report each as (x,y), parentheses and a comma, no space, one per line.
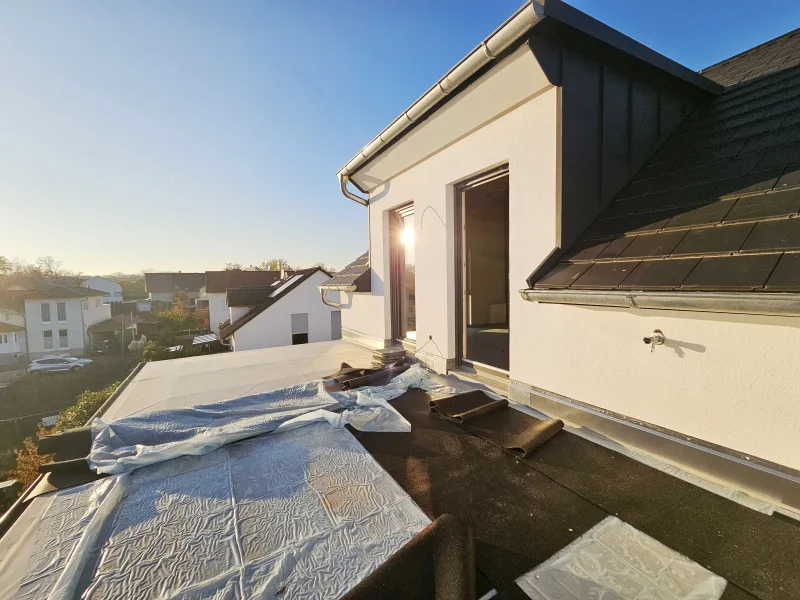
(45,340)
(58,312)
(66,338)
(49,312)
(85,304)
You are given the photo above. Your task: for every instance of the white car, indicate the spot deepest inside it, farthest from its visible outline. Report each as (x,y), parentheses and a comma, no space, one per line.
(52,364)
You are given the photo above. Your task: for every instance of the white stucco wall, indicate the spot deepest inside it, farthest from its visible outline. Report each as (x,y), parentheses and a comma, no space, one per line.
(217,310)
(726,379)
(273,327)
(16,339)
(525,138)
(162,296)
(104,284)
(76,323)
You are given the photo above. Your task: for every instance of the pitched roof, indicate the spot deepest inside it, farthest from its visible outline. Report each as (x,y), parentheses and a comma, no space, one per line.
(166,283)
(61,291)
(716,209)
(8,327)
(775,55)
(218,282)
(357,273)
(264,297)
(24,282)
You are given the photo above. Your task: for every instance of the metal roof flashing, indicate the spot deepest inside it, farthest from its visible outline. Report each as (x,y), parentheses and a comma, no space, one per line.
(530,14)
(752,303)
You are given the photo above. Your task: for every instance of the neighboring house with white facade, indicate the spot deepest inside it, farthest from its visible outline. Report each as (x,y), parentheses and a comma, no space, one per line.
(162,286)
(288,312)
(12,331)
(217,284)
(57,319)
(564,194)
(112,289)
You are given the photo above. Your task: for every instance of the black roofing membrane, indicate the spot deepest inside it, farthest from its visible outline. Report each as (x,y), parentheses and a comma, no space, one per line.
(519,517)
(521,510)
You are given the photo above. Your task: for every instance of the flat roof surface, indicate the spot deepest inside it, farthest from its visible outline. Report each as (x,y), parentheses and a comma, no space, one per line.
(184,382)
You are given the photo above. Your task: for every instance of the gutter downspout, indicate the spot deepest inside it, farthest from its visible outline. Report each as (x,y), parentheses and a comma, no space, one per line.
(348,194)
(334,288)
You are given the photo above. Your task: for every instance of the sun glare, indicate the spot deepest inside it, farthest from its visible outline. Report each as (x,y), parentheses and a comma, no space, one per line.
(407,237)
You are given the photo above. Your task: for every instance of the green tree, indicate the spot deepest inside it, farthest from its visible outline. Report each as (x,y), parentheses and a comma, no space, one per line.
(155,351)
(5,266)
(77,415)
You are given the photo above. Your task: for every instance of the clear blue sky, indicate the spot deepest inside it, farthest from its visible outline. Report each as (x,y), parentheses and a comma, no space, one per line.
(190,133)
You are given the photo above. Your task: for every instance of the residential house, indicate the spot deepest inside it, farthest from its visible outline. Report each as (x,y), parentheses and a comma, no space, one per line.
(13,344)
(606,232)
(104,284)
(162,286)
(286,313)
(217,283)
(58,317)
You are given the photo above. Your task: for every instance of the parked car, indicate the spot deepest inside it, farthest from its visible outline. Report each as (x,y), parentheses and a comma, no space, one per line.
(55,364)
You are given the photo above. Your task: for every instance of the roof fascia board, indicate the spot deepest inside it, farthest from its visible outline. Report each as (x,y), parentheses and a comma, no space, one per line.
(530,14)
(751,303)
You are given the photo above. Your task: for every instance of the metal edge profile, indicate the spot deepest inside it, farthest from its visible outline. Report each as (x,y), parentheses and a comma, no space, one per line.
(751,303)
(500,39)
(528,15)
(10,516)
(747,472)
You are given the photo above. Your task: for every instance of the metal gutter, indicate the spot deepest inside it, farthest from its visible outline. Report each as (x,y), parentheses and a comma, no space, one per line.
(348,194)
(531,13)
(501,38)
(751,303)
(12,514)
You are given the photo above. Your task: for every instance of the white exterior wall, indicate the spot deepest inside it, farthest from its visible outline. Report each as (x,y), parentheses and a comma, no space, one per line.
(715,378)
(104,284)
(217,310)
(273,327)
(76,323)
(525,138)
(16,339)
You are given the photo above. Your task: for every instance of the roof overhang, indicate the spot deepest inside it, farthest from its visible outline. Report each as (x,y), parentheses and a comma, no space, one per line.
(501,39)
(751,303)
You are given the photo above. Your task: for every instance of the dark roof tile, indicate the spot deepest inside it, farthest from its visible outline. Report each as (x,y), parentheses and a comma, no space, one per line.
(723,239)
(659,274)
(785,155)
(615,248)
(587,250)
(748,184)
(786,276)
(357,273)
(704,214)
(783,234)
(563,275)
(218,282)
(658,244)
(775,204)
(790,178)
(605,275)
(731,273)
(167,283)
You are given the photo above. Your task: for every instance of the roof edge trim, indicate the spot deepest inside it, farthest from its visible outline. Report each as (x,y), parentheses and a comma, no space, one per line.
(528,15)
(751,303)
(501,38)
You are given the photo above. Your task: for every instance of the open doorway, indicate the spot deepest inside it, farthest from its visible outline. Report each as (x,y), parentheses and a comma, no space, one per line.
(483,255)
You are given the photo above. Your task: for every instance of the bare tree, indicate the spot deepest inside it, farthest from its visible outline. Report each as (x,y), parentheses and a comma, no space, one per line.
(233,267)
(49,267)
(5,265)
(275,264)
